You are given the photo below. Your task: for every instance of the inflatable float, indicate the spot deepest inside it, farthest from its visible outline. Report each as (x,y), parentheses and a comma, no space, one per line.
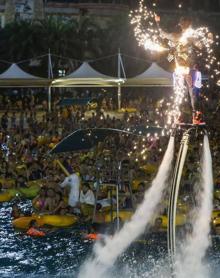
(29,193)
(60,221)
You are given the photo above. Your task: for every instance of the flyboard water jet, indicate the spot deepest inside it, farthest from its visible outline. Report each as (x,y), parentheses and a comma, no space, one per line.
(175,186)
(183,48)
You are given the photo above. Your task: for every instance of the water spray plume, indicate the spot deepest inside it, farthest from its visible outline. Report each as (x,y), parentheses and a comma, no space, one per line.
(105,256)
(194,249)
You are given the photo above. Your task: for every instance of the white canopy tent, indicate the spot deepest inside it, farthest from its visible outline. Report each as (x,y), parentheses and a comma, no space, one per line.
(154,76)
(86,76)
(14,76)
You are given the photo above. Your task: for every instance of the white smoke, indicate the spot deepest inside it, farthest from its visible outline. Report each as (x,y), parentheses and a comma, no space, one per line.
(105,256)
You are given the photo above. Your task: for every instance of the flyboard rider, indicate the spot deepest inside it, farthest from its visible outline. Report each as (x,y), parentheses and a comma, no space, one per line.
(186,74)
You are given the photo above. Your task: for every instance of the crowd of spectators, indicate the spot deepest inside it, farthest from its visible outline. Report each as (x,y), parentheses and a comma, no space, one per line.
(28,132)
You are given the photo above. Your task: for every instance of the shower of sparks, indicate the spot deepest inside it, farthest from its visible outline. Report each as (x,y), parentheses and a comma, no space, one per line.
(146,29)
(193,44)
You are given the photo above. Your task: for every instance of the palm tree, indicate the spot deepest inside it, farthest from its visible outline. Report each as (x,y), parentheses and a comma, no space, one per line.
(9,11)
(38,12)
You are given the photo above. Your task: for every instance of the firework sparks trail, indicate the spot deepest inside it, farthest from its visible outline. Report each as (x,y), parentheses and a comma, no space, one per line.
(183,49)
(143,18)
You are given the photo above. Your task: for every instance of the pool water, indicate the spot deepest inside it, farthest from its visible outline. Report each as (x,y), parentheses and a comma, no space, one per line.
(58,254)
(61,253)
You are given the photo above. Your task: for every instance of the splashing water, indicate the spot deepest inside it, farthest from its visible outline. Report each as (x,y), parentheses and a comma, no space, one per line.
(194,249)
(105,256)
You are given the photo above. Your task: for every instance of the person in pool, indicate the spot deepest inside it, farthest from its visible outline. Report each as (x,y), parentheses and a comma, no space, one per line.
(35,230)
(1,188)
(50,201)
(16,212)
(40,200)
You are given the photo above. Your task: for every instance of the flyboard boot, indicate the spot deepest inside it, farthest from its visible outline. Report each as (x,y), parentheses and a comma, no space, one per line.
(198,118)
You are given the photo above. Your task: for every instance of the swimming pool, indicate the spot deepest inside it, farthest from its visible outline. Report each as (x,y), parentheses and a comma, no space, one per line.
(61,253)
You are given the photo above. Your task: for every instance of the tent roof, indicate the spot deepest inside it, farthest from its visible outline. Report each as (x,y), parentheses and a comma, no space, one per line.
(153,76)
(14,76)
(85,75)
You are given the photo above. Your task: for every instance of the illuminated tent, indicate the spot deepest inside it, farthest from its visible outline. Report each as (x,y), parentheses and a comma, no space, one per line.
(14,76)
(154,76)
(86,76)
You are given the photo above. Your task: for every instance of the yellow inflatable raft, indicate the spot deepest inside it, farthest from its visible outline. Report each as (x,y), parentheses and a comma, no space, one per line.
(128,110)
(5,197)
(29,192)
(52,220)
(217,194)
(125,215)
(180,220)
(216,221)
(215,213)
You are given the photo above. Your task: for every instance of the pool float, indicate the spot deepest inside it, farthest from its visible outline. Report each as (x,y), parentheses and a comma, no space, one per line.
(124,215)
(180,220)
(149,168)
(42,140)
(5,197)
(217,194)
(216,221)
(29,192)
(52,220)
(128,110)
(215,214)
(7,183)
(8,195)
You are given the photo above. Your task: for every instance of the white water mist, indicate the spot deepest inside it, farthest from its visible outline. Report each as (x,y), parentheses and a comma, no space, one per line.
(190,263)
(105,256)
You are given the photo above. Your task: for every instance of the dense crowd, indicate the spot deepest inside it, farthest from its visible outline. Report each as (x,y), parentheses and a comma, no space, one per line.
(28,132)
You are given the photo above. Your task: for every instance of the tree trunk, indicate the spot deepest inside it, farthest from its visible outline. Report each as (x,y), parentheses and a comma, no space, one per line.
(38,12)
(9,11)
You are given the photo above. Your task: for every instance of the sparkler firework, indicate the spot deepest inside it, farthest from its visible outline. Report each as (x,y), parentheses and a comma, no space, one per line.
(146,29)
(185,49)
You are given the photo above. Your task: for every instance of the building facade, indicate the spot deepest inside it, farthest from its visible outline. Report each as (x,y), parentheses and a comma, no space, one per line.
(38,9)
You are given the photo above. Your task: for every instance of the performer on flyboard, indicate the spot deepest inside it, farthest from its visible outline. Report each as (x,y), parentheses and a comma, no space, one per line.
(196,94)
(186,73)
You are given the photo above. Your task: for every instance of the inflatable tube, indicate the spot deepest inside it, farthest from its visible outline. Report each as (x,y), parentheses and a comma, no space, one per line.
(8,183)
(52,220)
(217,194)
(128,110)
(215,214)
(29,193)
(180,220)
(216,221)
(124,215)
(8,195)
(5,197)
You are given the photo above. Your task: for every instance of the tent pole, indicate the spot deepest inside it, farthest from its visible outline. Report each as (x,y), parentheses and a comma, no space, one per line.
(119,77)
(119,96)
(49,99)
(50,75)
